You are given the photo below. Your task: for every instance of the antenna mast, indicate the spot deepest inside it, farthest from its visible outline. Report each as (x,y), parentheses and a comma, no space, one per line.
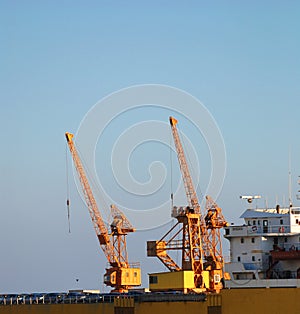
(290,180)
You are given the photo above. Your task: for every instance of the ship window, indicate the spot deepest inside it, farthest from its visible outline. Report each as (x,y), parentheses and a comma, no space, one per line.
(285,239)
(265,226)
(242,240)
(253,258)
(249,224)
(297,221)
(275,241)
(258,222)
(238,258)
(153,279)
(281,221)
(254,222)
(253,240)
(227,232)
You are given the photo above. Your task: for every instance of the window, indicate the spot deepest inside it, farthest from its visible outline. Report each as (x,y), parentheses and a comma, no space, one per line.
(254,222)
(253,258)
(258,222)
(217,278)
(253,240)
(281,221)
(249,224)
(297,221)
(135,274)
(227,232)
(275,241)
(242,240)
(265,226)
(285,240)
(238,258)
(153,279)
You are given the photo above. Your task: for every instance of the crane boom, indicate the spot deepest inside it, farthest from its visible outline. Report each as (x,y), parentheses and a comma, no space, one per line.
(99,226)
(187,179)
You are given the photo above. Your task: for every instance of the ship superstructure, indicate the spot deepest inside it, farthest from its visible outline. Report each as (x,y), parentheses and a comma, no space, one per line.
(265,250)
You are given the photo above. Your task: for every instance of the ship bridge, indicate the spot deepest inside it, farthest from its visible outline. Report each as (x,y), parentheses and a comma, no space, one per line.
(268,221)
(266,246)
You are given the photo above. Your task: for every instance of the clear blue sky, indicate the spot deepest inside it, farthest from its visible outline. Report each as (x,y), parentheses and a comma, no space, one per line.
(58,58)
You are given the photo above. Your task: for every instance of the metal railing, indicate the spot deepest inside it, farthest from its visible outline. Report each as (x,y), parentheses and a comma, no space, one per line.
(100,298)
(257,229)
(59,299)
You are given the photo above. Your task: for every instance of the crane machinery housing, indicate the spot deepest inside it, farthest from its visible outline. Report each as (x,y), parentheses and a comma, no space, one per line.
(195,235)
(120,275)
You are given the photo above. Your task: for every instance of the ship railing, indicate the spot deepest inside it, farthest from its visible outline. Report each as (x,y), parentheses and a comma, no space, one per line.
(269,229)
(286,274)
(245,230)
(170,296)
(60,299)
(280,229)
(292,246)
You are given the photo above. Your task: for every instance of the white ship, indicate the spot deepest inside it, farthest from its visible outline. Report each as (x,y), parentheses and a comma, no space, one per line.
(265,250)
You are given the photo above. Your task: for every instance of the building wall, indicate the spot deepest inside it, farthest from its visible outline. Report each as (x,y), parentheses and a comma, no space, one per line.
(172,280)
(171,307)
(246,250)
(100,308)
(229,301)
(249,301)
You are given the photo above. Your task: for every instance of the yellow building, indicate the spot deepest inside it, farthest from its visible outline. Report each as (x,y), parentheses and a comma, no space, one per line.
(177,280)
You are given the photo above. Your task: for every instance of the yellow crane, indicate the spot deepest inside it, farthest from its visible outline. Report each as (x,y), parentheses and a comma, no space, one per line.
(120,275)
(194,236)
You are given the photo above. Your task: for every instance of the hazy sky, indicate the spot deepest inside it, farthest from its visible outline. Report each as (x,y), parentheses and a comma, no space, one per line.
(59,58)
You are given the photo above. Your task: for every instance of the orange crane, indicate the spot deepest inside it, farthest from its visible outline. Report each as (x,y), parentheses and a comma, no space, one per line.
(200,251)
(120,275)
(214,221)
